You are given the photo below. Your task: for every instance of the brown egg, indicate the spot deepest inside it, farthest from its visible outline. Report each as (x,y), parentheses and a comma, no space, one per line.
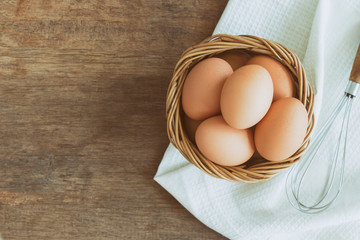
(246,96)
(190,126)
(223,144)
(283,81)
(202,88)
(281,132)
(235,58)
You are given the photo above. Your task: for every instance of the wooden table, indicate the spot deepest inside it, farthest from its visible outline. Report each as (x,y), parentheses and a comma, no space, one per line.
(82,124)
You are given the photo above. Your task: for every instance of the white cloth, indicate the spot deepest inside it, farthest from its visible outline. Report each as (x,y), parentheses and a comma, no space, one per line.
(325,34)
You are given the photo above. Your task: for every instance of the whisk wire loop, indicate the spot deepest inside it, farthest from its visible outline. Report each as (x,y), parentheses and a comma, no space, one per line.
(297,173)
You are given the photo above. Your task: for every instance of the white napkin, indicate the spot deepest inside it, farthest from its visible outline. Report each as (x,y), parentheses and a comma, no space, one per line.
(325,34)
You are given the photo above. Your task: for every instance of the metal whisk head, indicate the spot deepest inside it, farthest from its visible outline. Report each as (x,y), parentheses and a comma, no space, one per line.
(327,150)
(332,184)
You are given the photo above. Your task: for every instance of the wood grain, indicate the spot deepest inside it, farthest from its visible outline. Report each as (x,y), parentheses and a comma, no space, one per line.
(82,126)
(355,71)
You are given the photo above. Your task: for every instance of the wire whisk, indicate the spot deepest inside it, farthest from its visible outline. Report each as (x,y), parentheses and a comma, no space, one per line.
(325,138)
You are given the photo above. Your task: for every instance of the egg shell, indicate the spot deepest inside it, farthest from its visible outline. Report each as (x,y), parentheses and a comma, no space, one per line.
(223,144)
(246,96)
(282,79)
(190,126)
(235,58)
(202,88)
(282,131)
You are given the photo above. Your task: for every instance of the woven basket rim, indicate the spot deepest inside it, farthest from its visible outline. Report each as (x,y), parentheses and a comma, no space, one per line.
(249,171)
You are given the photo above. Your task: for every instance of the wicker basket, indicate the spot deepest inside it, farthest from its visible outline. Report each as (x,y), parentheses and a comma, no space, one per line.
(255,169)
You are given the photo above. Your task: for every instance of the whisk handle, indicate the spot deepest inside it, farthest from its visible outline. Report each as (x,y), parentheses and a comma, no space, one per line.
(355,72)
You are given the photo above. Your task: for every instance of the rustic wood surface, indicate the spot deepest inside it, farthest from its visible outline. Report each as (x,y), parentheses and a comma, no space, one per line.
(82,124)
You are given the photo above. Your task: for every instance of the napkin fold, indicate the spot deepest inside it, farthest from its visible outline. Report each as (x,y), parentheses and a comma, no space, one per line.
(325,35)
